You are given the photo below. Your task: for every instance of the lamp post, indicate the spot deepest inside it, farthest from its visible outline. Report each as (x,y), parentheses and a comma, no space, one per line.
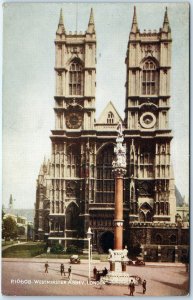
(91,254)
(89,236)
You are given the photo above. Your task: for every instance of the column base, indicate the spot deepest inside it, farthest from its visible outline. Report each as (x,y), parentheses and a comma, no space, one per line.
(118,260)
(120,278)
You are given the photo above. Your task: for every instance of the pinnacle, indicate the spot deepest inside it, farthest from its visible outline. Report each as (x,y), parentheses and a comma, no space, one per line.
(134,27)
(61,28)
(61,21)
(166,26)
(91,26)
(134,16)
(91,20)
(166,16)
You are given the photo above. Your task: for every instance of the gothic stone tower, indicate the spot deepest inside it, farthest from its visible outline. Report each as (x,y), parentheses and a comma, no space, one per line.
(63,183)
(148,65)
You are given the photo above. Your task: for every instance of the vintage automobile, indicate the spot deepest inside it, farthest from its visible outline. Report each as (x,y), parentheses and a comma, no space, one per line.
(130,262)
(139,262)
(74,259)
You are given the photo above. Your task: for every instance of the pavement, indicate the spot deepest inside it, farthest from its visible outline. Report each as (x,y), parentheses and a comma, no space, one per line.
(28,277)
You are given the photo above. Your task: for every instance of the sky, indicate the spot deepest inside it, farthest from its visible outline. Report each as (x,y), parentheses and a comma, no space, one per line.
(29,80)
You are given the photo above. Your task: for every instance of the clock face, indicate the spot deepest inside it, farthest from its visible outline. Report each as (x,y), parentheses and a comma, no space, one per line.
(147,120)
(73,120)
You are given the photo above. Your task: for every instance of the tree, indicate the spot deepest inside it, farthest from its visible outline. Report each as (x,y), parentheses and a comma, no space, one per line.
(9,228)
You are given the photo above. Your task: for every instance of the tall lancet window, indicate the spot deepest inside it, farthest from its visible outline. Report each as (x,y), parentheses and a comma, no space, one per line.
(76,78)
(105,179)
(110,118)
(149,78)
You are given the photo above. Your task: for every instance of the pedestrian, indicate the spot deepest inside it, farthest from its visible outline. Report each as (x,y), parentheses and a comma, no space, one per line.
(144,286)
(64,271)
(94,272)
(132,287)
(105,271)
(61,269)
(69,272)
(46,267)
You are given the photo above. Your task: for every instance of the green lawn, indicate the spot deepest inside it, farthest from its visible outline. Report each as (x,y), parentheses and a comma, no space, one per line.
(24,251)
(33,249)
(7,243)
(100,257)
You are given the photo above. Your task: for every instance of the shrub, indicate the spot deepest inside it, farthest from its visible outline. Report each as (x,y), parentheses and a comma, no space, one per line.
(57,249)
(72,249)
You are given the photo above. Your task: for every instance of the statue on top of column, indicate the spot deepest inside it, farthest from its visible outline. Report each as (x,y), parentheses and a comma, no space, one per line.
(119,150)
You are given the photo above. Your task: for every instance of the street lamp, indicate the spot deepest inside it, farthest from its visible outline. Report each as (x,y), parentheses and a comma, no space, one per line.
(89,236)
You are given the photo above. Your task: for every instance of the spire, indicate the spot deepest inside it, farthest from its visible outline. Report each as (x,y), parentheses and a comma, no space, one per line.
(11,202)
(166,16)
(91,20)
(91,26)
(61,22)
(61,28)
(134,27)
(166,26)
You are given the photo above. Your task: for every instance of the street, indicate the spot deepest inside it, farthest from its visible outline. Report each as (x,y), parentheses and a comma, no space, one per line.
(28,277)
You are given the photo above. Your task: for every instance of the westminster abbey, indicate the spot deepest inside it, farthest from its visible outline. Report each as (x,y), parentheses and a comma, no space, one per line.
(75,187)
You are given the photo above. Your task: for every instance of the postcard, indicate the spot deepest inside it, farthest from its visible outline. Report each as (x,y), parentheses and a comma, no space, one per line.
(95,149)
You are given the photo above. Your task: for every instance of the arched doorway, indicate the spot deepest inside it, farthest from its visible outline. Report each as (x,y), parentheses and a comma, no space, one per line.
(107,241)
(72,216)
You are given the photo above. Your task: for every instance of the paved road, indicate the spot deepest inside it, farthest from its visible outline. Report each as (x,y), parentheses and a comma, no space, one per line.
(27,277)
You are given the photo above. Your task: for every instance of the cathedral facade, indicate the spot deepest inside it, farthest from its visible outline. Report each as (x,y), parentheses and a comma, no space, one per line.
(75,188)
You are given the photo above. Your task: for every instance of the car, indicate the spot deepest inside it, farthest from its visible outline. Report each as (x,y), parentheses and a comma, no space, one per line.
(74,259)
(130,262)
(139,262)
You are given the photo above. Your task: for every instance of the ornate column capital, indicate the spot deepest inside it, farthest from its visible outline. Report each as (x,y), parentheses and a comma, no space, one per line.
(119,172)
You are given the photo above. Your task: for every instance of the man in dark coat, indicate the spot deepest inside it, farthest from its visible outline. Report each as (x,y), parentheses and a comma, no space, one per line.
(62,269)
(132,287)
(69,272)
(94,272)
(144,286)
(46,267)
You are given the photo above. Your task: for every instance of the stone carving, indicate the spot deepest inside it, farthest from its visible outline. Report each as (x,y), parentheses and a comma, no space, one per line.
(111,255)
(120,151)
(118,223)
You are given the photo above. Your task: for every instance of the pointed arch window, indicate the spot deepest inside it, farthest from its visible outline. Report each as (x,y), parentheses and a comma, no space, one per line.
(105,179)
(110,118)
(73,161)
(149,78)
(76,78)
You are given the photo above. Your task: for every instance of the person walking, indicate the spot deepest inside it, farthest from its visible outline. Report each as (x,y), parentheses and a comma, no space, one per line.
(144,286)
(94,272)
(69,272)
(61,269)
(131,287)
(46,267)
(64,271)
